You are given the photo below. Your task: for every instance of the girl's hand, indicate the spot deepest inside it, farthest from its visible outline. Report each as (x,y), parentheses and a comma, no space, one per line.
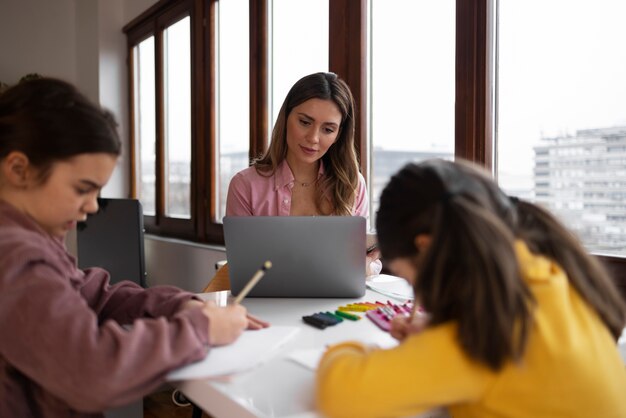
(256,323)
(225,323)
(403,326)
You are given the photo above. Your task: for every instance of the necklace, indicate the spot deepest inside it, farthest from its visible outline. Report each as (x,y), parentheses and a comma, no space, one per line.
(305,184)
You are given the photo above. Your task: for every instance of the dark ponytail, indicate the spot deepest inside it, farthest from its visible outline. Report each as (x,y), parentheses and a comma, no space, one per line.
(471,276)
(545,235)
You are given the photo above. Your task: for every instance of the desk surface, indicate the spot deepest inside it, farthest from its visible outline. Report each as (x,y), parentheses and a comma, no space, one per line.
(290,389)
(280,387)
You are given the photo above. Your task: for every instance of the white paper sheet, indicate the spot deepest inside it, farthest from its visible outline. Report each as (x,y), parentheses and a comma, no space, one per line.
(251,349)
(392,286)
(308,358)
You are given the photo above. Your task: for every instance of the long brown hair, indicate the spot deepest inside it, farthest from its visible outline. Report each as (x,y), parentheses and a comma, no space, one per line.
(339,186)
(470,273)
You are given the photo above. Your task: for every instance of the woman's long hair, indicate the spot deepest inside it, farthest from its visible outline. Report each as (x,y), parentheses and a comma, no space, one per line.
(339,185)
(470,273)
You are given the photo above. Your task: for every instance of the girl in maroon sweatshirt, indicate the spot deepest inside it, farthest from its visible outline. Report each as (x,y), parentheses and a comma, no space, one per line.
(64,349)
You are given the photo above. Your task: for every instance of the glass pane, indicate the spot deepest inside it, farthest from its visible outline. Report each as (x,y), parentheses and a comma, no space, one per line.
(561,106)
(411,86)
(177,118)
(144,123)
(299,45)
(233,86)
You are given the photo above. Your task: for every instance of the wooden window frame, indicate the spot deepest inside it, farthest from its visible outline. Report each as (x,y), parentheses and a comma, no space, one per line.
(347,57)
(153,23)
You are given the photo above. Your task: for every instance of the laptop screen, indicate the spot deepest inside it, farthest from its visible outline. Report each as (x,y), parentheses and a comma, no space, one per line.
(312,256)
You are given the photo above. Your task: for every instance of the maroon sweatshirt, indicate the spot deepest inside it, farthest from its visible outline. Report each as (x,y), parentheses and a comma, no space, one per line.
(64,349)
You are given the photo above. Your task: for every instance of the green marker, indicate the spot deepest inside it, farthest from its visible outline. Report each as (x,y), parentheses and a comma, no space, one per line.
(348,315)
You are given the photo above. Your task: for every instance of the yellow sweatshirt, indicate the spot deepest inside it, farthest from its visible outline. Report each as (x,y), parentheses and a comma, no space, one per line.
(571,367)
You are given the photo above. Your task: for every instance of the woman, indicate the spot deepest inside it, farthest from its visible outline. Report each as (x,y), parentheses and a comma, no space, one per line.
(311,166)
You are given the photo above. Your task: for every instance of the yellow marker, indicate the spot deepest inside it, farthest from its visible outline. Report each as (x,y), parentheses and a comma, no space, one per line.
(362,306)
(351,309)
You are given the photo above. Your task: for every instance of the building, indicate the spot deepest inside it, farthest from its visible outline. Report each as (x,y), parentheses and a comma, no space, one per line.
(582,179)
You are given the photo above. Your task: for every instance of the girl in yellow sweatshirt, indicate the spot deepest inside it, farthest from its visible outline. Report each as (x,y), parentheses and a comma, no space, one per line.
(521,321)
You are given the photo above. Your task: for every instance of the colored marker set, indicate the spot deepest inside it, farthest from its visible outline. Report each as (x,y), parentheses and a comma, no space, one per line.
(378,312)
(383,315)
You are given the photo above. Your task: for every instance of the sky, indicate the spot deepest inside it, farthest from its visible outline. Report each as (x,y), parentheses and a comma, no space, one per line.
(560,70)
(561,67)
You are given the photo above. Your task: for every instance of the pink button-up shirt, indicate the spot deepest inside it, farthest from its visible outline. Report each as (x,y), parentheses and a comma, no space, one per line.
(252,194)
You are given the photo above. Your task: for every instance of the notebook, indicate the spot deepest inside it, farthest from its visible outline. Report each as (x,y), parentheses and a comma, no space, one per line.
(112,238)
(312,256)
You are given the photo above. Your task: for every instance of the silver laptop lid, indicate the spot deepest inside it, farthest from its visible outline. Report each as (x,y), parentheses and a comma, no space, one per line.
(312,256)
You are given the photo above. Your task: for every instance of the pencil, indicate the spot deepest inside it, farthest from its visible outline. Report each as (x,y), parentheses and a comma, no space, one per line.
(253,281)
(413,310)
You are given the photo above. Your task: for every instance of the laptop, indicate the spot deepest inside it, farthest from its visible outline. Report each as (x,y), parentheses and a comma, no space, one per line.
(312,256)
(112,238)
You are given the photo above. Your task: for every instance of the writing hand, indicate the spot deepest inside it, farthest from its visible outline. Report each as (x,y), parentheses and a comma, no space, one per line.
(256,323)
(403,326)
(225,323)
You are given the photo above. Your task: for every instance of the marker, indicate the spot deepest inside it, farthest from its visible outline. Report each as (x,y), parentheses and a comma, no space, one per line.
(340,319)
(396,308)
(253,281)
(384,313)
(353,308)
(362,306)
(311,320)
(390,312)
(347,315)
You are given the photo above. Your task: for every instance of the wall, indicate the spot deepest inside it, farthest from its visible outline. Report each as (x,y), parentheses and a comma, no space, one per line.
(37,36)
(187,265)
(81,41)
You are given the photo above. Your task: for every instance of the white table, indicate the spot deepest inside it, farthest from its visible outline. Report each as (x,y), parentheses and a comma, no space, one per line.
(280,387)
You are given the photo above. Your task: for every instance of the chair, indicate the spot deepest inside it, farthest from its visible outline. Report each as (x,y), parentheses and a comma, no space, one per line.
(112,238)
(220,280)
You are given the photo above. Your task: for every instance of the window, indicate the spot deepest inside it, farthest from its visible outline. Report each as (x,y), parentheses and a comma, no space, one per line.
(160,58)
(411,100)
(561,105)
(177,118)
(145,136)
(233,94)
(222,69)
(488,75)
(298,46)
(292,54)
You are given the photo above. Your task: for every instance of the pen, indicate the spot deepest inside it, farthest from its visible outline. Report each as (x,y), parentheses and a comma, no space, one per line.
(253,281)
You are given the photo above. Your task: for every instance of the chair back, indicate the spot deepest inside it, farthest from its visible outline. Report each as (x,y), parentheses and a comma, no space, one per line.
(112,238)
